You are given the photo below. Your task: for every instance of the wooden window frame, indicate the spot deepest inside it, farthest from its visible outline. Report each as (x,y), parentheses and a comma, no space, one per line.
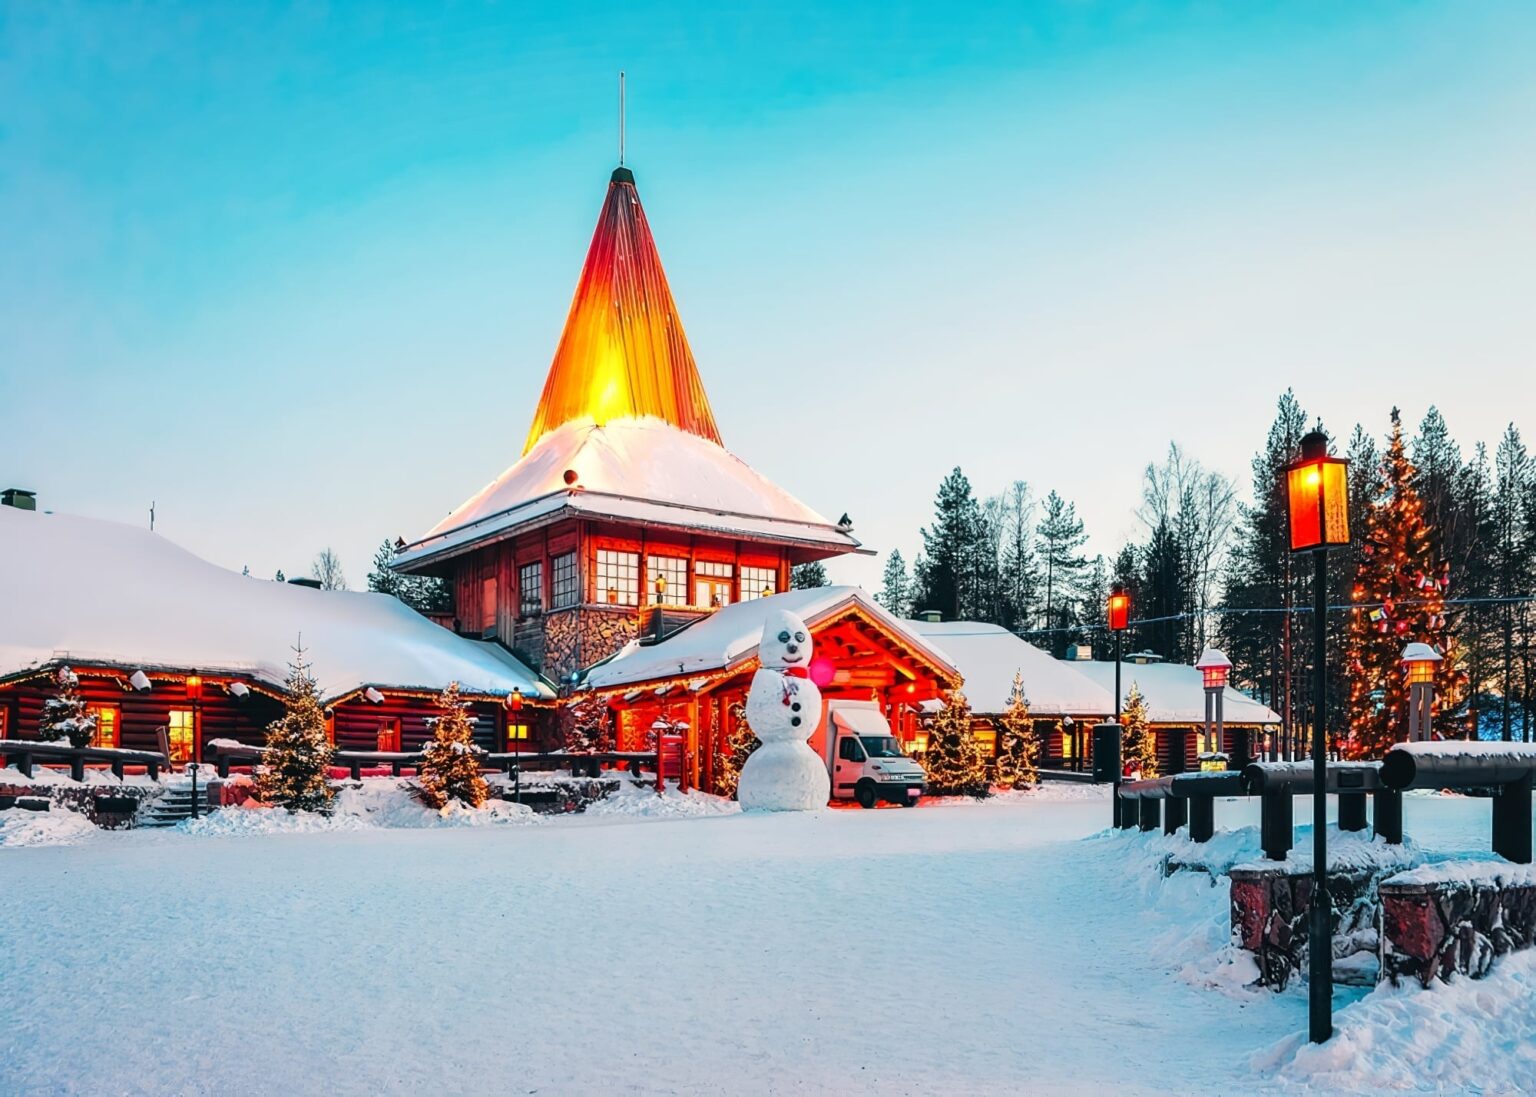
(675,568)
(530,574)
(564,581)
(97,710)
(618,577)
(754,579)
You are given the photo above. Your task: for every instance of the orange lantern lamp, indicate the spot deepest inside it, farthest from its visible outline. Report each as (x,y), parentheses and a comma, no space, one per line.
(1419,662)
(194,687)
(1317,497)
(1119,609)
(1214,668)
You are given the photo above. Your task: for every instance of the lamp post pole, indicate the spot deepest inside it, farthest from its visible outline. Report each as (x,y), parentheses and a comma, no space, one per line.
(1320,936)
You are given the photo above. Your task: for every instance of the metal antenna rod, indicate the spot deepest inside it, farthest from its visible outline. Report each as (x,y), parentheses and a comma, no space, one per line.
(621,118)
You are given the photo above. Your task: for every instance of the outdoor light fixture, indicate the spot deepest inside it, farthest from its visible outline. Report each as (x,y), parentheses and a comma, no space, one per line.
(1119,608)
(1317,494)
(194,687)
(1317,502)
(1214,666)
(1419,664)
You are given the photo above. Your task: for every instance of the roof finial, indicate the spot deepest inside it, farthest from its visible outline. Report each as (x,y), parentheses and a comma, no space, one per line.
(621,118)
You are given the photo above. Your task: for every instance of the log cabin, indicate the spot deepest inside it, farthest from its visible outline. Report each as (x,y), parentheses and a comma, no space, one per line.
(165,642)
(625,514)
(693,681)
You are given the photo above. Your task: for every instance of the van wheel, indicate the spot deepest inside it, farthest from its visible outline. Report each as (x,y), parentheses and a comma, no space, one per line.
(864,793)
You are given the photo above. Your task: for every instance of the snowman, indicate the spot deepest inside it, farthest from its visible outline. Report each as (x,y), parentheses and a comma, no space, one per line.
(783,709)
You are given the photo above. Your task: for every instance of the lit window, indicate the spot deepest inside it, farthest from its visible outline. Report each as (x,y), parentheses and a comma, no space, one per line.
(758,583)
(1067,750)
(618,577)
(487,604)
(565,582)
(517,732)
(181,731)
(106,725)
(986,738)
(712,583)
(530,589)
(389,734)
(674,569)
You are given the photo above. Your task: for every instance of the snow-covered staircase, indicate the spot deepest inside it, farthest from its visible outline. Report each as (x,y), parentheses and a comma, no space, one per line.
(175,804)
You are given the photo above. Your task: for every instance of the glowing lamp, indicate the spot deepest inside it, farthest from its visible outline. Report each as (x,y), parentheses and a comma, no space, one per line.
(194,687)
(1214,667)
(1317,496)
(1119,608)
(515,701)
(821,671)
(661,586)
(1419,661)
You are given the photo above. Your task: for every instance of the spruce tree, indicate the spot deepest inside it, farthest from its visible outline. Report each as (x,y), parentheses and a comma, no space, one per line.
(894,595)
(953,552)
(1017,744)
(739,744)
(954,760)
(1514,556)
(450,762)
(1138,743)
(806,576)
(1060,538)
(585,725)
(1398,597)
(295,768)
(1018,567)
(65,717)
(383,579)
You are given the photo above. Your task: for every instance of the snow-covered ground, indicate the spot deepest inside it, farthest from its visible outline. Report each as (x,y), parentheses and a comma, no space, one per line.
(681,946)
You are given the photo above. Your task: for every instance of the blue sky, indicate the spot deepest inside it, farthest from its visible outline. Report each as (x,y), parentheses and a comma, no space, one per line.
(296,274)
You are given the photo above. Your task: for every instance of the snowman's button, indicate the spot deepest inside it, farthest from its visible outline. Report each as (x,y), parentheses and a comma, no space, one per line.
(794,721)
(795,706)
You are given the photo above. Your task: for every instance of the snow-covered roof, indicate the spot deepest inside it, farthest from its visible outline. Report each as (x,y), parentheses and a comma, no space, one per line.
(641,470)
(1175,693)
(90,591)
(729,637)
(989,656)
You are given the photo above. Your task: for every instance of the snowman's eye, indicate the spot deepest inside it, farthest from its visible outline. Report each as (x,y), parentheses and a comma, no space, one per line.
(784,637)
(800,637)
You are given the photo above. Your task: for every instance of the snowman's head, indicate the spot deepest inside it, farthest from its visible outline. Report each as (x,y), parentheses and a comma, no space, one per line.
(786,641)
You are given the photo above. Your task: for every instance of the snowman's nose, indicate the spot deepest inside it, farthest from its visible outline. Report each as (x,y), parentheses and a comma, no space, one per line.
(793,648)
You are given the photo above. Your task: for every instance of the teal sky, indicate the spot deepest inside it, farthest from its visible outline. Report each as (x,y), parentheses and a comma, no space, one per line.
(296,274)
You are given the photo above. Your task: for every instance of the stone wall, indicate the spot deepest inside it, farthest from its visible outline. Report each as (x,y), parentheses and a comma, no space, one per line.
(1269,918)
(578,637)
(107,805)
(1441,929)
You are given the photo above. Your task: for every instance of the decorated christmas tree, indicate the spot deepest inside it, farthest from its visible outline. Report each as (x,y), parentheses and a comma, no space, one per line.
(738,747)
(1138,749)
(1017,744)
(294,770)
(1399,598)
(585,723)
(65,716)
(450,762)
(954,760)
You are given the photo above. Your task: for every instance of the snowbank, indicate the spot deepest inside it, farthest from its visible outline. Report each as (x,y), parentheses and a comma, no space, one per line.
(642,802)
(375,803)
(59,827)
(1492,872)
(42,775)
(1470,1036)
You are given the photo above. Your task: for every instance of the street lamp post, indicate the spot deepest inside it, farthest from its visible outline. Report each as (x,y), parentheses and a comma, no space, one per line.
(1419,663)
(1118,613)
(195,695)
(1317,498)
(514,708)
(1214,667)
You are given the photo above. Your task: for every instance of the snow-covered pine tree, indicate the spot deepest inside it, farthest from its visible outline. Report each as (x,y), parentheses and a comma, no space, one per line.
(740,742)
(1138,749)
(585,725)
(1017,744)
(383,579)
(1400,598)
(294,771)
(954,760)
(64,715)
(450,762)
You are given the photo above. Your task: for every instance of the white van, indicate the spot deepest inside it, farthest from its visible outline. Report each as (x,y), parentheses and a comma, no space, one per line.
(865,760)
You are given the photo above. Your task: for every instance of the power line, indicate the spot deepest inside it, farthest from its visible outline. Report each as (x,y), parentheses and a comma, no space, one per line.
(1239,610)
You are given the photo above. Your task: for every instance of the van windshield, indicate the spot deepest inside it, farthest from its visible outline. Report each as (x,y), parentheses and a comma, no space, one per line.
(882,746)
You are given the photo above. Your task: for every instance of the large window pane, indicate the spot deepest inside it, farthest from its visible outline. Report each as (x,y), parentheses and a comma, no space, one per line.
(618,577)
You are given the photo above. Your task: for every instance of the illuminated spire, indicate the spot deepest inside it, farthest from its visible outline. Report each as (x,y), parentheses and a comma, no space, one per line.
(623,352)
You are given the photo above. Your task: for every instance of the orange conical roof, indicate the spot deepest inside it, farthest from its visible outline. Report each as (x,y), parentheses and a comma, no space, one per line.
(623,353)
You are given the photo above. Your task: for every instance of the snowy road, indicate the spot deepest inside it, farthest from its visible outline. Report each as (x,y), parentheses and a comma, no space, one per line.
(982,948)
